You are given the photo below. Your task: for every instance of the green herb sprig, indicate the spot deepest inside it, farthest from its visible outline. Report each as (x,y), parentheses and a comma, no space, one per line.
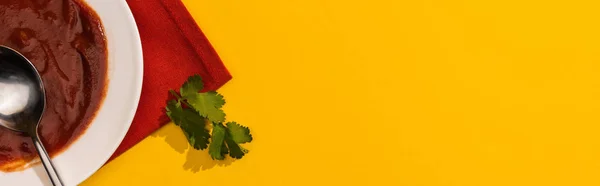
(192,111)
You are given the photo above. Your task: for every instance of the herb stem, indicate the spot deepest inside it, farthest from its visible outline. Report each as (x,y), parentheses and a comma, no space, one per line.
(175,94)
(180,98)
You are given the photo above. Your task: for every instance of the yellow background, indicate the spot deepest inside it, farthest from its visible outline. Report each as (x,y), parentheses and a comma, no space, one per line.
(415,93)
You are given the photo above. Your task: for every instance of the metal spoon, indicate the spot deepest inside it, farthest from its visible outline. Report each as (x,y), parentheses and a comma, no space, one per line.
(22,102)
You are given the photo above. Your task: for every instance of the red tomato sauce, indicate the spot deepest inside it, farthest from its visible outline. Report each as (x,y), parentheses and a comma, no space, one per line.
(65,41)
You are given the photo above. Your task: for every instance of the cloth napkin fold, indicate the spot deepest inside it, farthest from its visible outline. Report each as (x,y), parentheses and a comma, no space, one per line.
(174,48)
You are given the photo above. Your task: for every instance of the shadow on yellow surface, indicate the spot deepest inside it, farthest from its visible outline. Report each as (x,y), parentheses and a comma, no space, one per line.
(196,160)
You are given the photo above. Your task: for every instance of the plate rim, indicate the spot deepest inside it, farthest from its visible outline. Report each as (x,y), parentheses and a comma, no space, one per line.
(91,150)
(137,45)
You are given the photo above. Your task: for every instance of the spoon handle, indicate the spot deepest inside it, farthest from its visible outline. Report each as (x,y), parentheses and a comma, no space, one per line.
(46,161)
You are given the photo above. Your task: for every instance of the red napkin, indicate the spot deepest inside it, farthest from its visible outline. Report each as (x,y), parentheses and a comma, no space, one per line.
(174,49)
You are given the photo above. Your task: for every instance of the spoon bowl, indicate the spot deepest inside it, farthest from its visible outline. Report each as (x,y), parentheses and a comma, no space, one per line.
(22,95)
(22,102)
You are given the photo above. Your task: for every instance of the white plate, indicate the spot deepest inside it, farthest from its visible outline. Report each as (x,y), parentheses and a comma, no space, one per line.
(125,70)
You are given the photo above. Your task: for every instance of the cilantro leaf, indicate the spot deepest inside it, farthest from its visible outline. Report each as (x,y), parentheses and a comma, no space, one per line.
(224,149)
(239,134)
(208,105)
(235,151)
(227,140)
(174,111)
(192,124)
(196,132)
(192,86)
(217,145)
